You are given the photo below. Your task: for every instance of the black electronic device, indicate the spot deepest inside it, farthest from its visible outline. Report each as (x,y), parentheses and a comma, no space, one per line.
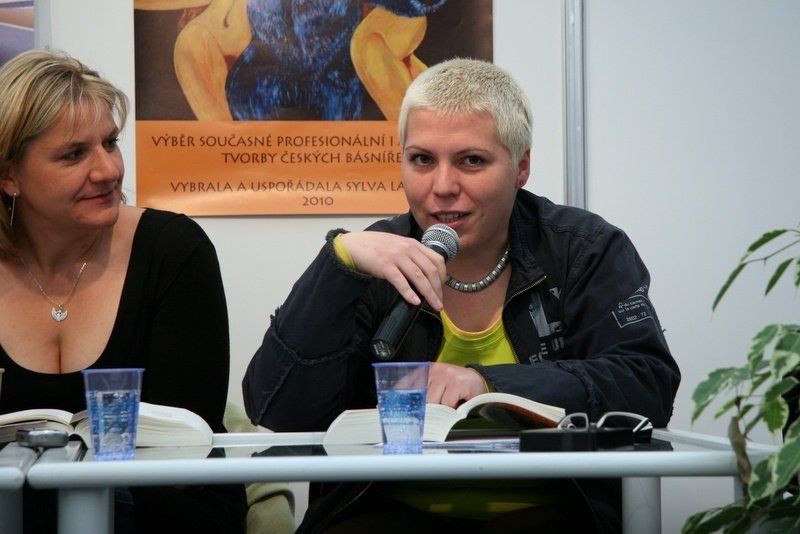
(574,439)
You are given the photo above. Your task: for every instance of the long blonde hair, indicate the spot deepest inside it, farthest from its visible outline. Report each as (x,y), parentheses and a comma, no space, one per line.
(36,87)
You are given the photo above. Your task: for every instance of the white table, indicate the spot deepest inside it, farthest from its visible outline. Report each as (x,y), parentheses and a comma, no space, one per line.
(86,487)
(14,463)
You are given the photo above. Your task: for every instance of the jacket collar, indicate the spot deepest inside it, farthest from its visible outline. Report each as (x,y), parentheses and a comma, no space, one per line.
(523,240)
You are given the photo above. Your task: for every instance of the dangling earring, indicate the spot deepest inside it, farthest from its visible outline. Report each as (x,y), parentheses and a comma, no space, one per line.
(13,207)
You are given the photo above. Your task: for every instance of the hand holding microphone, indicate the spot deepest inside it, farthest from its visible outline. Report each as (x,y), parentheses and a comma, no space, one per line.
(440,239)
(417,272)
(415,269)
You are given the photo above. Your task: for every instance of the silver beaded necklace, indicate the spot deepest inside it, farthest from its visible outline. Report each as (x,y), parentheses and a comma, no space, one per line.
(58,312)
(483,283)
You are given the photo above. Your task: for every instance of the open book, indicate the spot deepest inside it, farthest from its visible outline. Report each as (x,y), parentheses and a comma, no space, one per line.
(159,426)
(502,409)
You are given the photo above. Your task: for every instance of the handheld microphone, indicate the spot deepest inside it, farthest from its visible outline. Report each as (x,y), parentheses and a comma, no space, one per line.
(387,338)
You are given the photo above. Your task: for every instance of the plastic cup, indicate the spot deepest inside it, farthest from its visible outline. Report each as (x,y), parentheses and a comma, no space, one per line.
(112,399)
(402,388)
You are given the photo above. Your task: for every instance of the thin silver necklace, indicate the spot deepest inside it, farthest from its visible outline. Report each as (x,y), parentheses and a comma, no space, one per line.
(483,283)
(58,312)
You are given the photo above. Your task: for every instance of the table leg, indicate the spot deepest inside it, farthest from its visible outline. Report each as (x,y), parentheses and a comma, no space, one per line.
(641,505)
(86,510)
(11,511)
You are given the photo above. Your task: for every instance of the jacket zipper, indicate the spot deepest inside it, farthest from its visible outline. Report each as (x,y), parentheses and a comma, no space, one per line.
(516,294)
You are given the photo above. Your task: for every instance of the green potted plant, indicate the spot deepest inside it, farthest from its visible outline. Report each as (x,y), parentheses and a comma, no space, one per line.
(756,393)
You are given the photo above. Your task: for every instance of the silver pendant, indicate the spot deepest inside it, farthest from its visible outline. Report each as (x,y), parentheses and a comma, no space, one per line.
(59,314)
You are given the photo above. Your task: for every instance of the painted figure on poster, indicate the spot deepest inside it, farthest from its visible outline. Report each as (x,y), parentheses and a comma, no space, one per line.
(16,28)
(269,59)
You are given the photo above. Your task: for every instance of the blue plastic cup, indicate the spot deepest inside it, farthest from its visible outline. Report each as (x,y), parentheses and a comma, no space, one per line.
(112,400)
(402,388)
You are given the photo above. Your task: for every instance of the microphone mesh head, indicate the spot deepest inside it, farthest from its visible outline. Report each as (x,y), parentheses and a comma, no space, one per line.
(443,237)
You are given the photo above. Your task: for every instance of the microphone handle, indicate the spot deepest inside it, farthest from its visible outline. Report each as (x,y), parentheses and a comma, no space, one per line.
(393,329)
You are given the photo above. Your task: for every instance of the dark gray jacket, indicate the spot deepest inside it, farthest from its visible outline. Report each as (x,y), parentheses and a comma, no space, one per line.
(577,314)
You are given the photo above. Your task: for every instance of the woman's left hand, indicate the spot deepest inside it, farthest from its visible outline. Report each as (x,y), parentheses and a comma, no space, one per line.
(452,384)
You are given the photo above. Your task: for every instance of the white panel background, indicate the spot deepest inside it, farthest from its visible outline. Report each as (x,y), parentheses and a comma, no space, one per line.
(693,141)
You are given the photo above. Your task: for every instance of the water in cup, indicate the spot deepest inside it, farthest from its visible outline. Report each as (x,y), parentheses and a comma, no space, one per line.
(114,428)
(401,388)
(112,400)
(402,414)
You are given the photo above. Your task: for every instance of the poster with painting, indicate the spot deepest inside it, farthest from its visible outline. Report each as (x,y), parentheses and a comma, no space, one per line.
(285,106)
(16,28)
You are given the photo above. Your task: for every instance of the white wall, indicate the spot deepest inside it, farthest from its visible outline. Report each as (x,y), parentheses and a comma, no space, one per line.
(693,134)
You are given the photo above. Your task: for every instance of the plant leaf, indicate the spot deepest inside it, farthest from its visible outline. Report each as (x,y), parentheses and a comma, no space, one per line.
(778,389)
(727,284)
(723,516)
(712,520)
(777,275)
(790,341)
(692,522)
(797,274)
(775,414)
(787,462)
(761,478)
(759,380)
(764,239)
(793,432)
(759,343)
(709,388)
(783,362)
(755,363)
(782,525)
(742,524)
(741,374)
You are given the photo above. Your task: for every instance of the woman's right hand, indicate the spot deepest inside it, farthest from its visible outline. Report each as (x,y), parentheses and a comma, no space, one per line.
(402,261)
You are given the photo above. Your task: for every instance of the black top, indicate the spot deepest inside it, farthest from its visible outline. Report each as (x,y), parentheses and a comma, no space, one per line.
(172,320)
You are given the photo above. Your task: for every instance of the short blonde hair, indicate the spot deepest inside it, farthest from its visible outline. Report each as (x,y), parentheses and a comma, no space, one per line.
(36,87)
(460,86)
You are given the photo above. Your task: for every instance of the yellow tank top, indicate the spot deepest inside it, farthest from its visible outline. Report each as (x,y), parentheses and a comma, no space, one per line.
(489,347)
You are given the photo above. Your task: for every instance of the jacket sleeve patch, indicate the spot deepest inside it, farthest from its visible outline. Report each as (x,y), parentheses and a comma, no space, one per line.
(633,310)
